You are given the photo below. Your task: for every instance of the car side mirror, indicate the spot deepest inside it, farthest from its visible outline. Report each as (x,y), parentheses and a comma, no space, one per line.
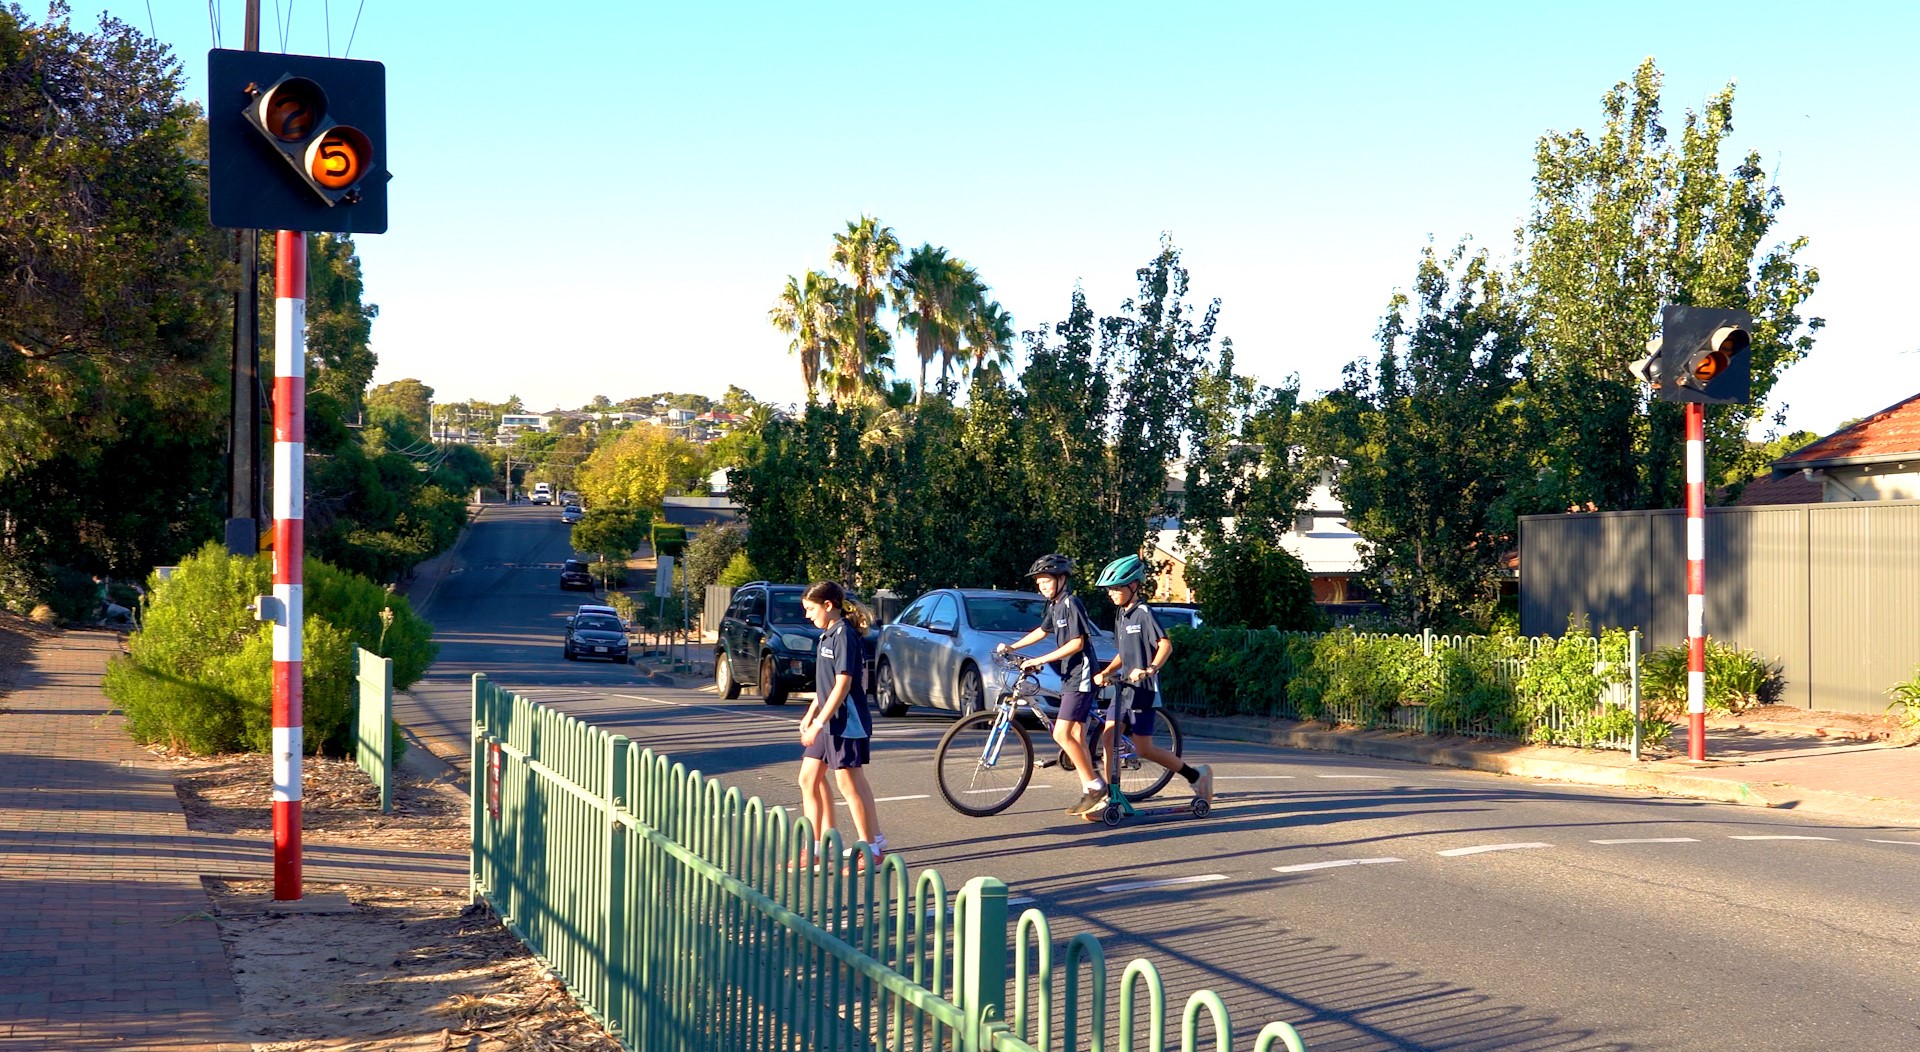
(945,628)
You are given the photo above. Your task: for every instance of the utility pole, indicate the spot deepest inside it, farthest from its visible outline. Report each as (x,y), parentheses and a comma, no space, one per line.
(243,429)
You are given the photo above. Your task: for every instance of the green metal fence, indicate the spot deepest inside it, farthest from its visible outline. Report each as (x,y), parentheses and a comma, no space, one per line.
(686,916)
(373,722)
(1427,683)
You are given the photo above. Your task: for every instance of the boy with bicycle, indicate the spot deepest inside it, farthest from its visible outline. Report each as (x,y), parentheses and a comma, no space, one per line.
(1142,652)
(1072,657)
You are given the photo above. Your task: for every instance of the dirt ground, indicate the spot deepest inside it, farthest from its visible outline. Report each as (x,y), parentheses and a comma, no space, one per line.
(405,969)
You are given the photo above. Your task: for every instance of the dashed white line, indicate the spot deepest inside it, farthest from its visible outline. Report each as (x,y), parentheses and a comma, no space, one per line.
(897,799)
(1305,867)
(1458,851)
(1143,885)
(1349,776)
(1910,843)
(1650,840)
(1780,837)
(1253,777)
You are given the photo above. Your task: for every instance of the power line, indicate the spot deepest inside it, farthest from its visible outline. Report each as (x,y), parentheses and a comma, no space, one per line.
(326,18)
(356,28)
(213,24)
(150,26)
(277,25)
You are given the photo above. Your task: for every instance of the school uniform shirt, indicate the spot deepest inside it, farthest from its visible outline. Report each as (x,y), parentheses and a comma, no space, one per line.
(839,654)
(1067,620)
(1139,632)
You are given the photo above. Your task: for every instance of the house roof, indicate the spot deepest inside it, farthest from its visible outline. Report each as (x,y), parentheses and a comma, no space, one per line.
(1781,489)
(1892,433)
(699,511)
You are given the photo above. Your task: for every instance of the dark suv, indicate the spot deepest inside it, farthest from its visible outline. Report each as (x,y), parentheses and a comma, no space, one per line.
(765,643)
(573,574)
(595,635)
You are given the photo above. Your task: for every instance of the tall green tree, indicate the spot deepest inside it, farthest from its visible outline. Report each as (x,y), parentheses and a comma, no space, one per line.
(808,310)
(933,291)
(408,397)
(1426,442)
(1622,223)
(868,253)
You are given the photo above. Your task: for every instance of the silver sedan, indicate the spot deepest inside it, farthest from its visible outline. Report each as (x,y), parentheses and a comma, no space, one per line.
(939,652)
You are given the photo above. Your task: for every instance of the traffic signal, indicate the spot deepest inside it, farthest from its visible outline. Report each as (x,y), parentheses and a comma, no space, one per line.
(296,142)
(1701,355)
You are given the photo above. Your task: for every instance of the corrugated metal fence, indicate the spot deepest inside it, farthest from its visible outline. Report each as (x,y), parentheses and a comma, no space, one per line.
(1829,591)
(684,916)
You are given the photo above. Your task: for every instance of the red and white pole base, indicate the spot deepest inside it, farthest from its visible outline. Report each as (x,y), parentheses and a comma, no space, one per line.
(1696,581)
(289,549)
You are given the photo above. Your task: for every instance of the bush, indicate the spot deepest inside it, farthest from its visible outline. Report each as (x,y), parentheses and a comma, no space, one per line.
(739,571)
(199,674)
(1736,679)
(1906,700)
(711,552)
(1244,581)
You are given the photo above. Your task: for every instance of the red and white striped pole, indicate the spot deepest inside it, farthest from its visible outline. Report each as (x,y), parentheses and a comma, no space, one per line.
(1696,581)
(289,549)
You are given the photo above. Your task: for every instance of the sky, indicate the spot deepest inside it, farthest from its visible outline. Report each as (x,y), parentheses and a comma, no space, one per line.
(606,197)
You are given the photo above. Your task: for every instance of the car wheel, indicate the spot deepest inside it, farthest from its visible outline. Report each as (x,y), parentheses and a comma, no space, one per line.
(567,652)
(884,694)
(723,681)
(771,691)
(973,696)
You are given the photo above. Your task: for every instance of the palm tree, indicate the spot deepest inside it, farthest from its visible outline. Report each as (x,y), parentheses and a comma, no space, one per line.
(989,332)
(925,303)
(807,310)
(868,253)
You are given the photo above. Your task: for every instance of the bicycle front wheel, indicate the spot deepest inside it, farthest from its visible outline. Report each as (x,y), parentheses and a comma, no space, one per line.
(1141,778)
(983,764)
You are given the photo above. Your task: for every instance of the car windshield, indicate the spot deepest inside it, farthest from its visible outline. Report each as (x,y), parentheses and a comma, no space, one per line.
(595,624)
(1010,613)
(786,609)
(1173,617)
(574,566)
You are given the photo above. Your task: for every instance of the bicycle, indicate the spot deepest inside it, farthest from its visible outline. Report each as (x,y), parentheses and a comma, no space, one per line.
(985,760)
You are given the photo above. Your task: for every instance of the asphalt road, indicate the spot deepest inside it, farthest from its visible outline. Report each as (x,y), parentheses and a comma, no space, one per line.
(1373,905)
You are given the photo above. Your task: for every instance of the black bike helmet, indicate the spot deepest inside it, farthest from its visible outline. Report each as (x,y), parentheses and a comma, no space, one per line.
(1051,563)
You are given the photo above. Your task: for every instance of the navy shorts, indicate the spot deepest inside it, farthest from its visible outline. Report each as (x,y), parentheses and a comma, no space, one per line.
(838,753)
(1138,703)
(1077,705)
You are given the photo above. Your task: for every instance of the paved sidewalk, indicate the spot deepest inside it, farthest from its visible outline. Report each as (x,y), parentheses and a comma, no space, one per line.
(106,939)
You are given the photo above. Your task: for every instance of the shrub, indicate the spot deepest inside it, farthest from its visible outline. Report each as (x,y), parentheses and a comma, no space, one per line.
(1247,582)
(710,553)
(1736,679)
(199,673)
(1906,700)
(739,571)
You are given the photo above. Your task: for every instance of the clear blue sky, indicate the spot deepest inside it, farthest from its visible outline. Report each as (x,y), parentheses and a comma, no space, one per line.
(650,173)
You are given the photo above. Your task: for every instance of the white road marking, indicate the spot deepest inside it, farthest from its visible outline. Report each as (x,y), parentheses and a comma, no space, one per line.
(1913,843)
(1336,863)
(1349,776)
(1458,851)
(1142,885)
(709,708)
(978,792)
(1650,840)
(1782,837)
(1019,900)
(889,799)
(1254,777)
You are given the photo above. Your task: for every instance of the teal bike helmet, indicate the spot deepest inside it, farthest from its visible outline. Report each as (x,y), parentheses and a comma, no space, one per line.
(1126,570)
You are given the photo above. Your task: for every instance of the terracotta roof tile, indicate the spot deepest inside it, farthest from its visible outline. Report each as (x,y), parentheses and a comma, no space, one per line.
(1892,431)
(1782,489)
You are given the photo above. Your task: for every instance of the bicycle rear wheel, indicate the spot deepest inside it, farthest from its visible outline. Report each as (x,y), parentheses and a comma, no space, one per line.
(983,764)
(1141,778)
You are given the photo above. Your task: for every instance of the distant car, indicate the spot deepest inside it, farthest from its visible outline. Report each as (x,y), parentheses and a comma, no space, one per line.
(1171,614)
(573,574)
(595,635)
(765,642)
(571,514)
(542,493)
(939,652)
(604,611)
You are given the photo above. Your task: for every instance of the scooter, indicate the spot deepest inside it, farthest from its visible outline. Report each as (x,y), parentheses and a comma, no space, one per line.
(1119,808)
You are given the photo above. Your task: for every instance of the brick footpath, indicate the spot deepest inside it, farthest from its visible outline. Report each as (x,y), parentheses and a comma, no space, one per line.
(108,942)
(106,935)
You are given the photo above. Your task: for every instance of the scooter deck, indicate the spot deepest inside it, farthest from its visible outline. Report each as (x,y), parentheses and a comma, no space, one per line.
(1118,811)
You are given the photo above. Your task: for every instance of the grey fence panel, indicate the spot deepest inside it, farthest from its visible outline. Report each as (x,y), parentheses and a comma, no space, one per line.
(1831,592)
(715,608)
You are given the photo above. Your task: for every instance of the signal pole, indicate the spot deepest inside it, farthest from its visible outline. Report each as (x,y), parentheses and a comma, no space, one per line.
(289,550)
(1696,581)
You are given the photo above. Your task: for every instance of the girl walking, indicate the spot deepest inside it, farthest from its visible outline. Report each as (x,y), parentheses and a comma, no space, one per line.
(837,730)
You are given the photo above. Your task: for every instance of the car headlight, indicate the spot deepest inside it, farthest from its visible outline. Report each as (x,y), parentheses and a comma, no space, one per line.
(803,644)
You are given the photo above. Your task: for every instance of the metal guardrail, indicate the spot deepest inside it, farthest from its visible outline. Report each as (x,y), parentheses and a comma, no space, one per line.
(1611,719)
(686,916)
(373,722)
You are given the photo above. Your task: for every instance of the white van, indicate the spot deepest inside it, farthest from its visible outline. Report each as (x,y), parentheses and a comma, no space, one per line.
(542,493)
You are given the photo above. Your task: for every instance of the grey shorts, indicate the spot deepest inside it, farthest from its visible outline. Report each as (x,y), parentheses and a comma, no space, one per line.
(840,753)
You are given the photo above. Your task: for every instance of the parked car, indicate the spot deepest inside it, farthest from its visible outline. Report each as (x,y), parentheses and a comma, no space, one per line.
(595,608)
(542,493)
(939,652)
(595,635)
(571,514)
(765,642)
(1170,614)
(573,574)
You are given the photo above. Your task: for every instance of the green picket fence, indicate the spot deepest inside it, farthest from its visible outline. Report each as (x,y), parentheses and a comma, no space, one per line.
(373,722)
(683,915)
